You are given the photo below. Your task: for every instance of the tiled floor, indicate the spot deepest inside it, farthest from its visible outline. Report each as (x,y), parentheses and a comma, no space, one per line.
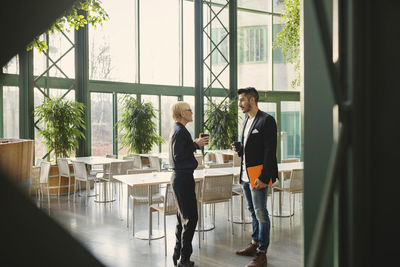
(102,229)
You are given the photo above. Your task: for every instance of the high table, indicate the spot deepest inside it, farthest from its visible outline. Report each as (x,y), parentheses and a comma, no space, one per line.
(96,160)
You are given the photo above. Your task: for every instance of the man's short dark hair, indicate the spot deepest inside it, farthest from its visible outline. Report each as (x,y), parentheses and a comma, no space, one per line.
(249,92)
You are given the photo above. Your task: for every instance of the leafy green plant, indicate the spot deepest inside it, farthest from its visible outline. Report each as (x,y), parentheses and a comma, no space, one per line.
(288,39)
(222,123)
(62,124)
(73,19)
(138,131)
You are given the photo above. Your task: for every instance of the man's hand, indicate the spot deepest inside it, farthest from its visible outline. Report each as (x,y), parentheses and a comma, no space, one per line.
(259,184)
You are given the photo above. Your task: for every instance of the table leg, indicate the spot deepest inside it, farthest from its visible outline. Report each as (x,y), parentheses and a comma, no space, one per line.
(150,234)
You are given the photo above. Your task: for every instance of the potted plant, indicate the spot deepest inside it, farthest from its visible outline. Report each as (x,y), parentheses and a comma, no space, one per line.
(62,124)
(138,131)
(222,122)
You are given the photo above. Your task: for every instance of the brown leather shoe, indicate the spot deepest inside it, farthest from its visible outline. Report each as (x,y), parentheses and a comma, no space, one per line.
(259,260)
(251,250)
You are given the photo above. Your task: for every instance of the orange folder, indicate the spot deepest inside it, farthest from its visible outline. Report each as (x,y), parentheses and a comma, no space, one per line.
(255,172)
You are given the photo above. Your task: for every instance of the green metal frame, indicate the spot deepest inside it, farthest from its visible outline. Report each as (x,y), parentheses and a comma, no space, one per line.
(26,84)
(83,86)
(82,77)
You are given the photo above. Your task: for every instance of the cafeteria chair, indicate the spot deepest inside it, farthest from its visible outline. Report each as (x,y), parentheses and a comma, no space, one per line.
(44,180)
(295,186)
(169,207)
(214,189)
(106,177)
(124,167)
(139,194)
(82,175)
(64,171)
(220,165)
(155,163)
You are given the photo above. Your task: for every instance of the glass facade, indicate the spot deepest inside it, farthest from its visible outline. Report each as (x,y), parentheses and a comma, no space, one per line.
(153,59)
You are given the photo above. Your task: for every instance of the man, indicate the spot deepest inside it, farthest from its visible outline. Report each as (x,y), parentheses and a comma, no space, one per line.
(259,169)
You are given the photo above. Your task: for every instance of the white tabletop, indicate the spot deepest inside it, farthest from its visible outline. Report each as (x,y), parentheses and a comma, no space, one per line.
(95,160)
(165,177)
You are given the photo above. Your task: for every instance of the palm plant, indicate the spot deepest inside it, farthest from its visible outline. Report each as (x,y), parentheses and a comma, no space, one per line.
(138,131)
(222,123)
(62,125)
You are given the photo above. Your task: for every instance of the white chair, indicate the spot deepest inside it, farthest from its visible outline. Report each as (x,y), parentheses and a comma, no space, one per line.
(237,190)
(155,163)
(123,169)
(290,160)
(236,160)
(220,165)
(214,189)
(139,194)
(136,159)
(106,179)
(64,171)
(38,161)
(295,186)
(219,157)
(81,175)
(169,207)
(44,180)
(200,161)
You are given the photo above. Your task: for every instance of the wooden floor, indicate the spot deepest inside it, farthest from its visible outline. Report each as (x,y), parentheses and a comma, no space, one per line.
(102,229)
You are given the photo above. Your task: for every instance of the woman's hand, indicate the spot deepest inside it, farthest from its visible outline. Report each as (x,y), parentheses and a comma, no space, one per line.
(202,141)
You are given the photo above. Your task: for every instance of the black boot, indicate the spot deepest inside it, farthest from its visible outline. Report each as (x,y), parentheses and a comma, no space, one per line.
(175,258)
(187,263)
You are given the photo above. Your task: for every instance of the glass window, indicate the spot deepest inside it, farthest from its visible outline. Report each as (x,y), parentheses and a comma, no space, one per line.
(254,44)
(102,124)
(290,130)
(153,99)
(59,44)
(220,38)
(254,64)
(10,112)
(262,5)
(159,42)
(56,93)
(40,148)
(188,43)
(166,119)
(121,150)
(40,61)
(284,73)
(190,126)
(12,67)
(112,47)
(278,5)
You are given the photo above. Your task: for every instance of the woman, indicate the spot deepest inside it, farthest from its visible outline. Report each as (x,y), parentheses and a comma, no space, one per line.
(183,163)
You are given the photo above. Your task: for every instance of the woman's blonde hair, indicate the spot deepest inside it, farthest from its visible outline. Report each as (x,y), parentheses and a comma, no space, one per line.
(177,109)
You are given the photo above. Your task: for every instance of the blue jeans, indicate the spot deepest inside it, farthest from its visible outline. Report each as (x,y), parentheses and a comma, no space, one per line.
(257,205)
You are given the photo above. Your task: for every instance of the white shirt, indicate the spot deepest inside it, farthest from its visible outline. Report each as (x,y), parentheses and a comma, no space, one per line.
(250,121)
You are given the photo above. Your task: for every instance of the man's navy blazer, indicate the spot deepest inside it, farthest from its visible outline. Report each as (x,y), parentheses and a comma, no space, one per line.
(260,147)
